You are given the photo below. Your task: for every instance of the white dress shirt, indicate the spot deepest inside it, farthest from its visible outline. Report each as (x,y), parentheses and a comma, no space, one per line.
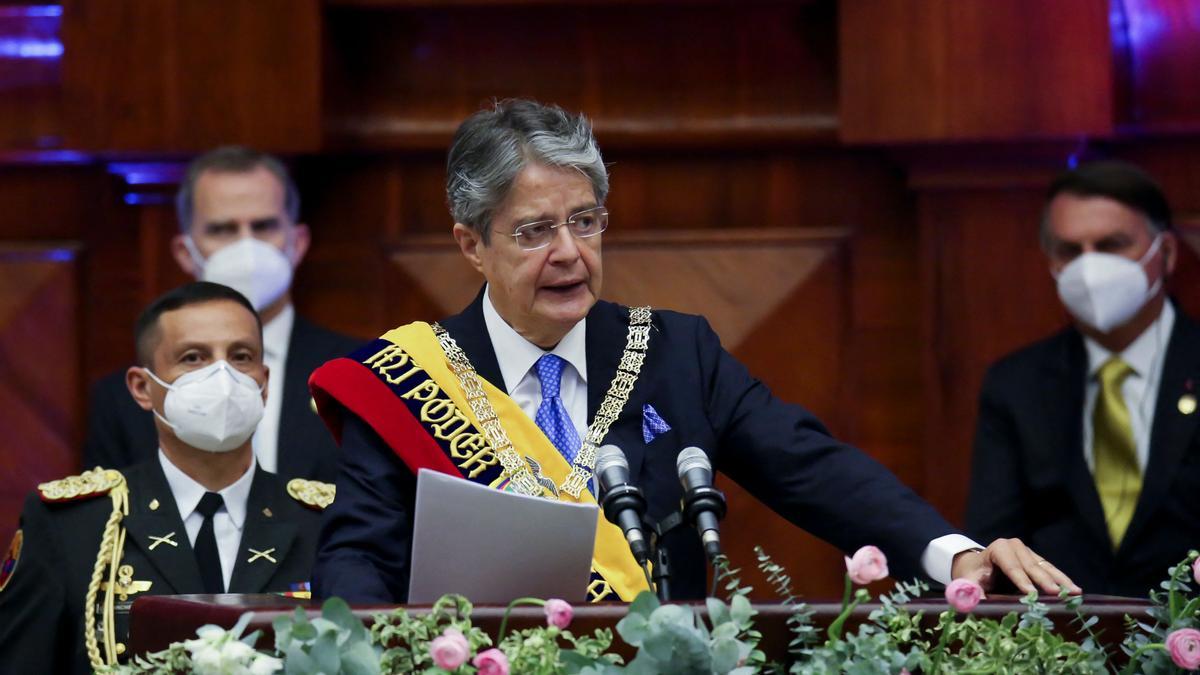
(277,335)
(1145,355)
(228,521)
(516,357)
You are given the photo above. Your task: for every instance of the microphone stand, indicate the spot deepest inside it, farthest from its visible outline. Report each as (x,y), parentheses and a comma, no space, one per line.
(662,563)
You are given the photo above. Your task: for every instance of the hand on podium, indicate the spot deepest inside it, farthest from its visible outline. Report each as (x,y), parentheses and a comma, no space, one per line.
(1027,570)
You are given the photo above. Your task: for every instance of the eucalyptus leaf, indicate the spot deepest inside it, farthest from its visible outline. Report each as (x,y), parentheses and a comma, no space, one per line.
(633,628)
(644,604)
(725,655)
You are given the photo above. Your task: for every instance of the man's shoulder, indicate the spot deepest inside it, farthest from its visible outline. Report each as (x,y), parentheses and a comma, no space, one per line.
(305,499)
(73,500)
(1029,360)
(311,338)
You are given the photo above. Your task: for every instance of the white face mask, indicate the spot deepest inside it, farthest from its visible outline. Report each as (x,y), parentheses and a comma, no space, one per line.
(249,266)
(215,408)
(1104,290)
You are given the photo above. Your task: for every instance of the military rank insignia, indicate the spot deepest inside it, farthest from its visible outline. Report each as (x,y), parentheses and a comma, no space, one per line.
(312,493)
(9,564)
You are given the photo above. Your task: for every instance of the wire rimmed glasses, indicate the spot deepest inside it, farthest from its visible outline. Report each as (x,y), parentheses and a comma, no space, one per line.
(539,234)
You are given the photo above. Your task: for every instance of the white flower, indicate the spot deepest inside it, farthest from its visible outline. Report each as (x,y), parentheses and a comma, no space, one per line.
(206,659)
(234,652)
(210,632)
(265,665)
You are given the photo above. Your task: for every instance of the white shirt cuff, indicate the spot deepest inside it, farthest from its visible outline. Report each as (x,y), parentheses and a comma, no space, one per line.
(938,558)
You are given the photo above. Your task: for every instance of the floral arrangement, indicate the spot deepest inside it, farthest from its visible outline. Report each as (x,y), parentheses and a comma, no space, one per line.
(678,639)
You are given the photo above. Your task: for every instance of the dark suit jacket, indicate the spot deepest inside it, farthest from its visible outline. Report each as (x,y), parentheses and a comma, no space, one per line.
(777,451)
(121,434)
(42,609)
(1030,478)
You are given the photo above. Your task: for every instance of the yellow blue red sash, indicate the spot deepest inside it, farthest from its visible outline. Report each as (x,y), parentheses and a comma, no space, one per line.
(402,386)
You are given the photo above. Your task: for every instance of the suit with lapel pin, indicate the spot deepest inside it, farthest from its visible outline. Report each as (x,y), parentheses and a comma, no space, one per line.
(1030,478)
(42,608)
(777,451)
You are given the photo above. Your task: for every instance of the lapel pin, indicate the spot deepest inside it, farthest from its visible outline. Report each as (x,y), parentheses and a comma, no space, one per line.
(267,511)
(262,554)
(1187,404)
(153,504)
(168,538)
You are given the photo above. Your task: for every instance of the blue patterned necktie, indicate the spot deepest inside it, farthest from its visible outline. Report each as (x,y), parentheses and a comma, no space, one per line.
(552,417)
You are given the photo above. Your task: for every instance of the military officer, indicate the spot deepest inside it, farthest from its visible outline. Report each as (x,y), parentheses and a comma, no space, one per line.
(200,517)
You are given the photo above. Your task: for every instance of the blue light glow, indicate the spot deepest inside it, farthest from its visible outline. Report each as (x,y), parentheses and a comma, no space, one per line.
(32,11)
(23,48)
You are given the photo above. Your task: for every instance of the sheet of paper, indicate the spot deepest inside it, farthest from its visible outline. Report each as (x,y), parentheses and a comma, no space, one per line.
(494,546)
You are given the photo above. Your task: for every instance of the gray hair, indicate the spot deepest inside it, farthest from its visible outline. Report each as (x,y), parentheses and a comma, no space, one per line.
(233,159)
(492,146)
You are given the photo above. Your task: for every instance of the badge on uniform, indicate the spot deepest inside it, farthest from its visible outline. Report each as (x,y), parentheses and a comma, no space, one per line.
(9,565)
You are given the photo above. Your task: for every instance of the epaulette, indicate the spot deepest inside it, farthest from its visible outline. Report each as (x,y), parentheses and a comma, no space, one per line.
(312,493)
(92,483)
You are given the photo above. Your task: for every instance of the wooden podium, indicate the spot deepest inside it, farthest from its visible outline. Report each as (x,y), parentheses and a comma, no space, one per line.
(157,621)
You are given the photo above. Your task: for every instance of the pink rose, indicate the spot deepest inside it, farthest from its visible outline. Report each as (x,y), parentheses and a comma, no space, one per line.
(450,649)
(964,594)
(558,613)
(491,662)
(1196,570)
(868,564)
(1184,645)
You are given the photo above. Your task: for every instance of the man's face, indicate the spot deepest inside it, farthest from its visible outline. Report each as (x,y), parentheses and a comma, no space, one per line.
(1079,225)
(542,294)
(230,206)
(195,336)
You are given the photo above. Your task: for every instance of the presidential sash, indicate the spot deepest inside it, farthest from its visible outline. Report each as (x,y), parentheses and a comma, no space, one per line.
(403,386)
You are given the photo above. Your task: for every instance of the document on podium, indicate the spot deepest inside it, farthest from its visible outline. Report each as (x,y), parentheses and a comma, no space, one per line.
(494,546)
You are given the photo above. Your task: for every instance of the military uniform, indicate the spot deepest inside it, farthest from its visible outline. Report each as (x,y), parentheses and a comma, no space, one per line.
(74,534)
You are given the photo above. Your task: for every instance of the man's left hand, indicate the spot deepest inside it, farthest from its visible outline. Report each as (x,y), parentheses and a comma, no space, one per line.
(1027,570)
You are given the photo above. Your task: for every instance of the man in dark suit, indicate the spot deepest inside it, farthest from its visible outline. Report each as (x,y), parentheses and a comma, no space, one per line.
(199,516)
(526,185)
(1086,443)
(238,213)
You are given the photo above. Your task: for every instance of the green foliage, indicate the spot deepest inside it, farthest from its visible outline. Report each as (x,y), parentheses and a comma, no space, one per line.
(1170,610)
(334,643)
(675,639)
(172,660)
(405,638)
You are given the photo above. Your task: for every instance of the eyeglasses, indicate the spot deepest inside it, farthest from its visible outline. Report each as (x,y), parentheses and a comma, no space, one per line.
(539,234)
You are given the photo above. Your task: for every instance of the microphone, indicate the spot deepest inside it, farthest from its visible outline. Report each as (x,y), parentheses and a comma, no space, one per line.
(703,505)
(623,504)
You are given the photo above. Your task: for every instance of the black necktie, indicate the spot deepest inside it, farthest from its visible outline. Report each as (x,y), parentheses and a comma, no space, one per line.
(206,545)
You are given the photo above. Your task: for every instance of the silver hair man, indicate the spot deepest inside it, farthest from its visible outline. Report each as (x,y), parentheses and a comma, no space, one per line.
(493,146)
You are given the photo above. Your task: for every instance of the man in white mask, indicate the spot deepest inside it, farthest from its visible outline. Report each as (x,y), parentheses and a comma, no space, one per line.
(198,516)
(1086,445)
(238,212)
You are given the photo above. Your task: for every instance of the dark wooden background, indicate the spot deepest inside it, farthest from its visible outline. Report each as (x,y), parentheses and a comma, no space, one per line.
(849,190)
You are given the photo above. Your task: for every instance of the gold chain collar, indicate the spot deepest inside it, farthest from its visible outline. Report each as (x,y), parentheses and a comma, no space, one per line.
(520,474)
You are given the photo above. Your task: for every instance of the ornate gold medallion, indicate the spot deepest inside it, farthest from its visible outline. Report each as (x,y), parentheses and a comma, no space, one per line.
(520,474)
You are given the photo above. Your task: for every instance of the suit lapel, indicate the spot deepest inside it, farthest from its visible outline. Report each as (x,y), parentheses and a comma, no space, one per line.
(1172,430)
(266,539)
(607,327)
(152,531)
(1062,401)
(293,441)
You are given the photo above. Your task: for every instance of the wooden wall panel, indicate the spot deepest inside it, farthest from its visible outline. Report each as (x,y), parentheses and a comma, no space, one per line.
(948,70)
(30,77)
(184,75)
(678,73)
(39,369)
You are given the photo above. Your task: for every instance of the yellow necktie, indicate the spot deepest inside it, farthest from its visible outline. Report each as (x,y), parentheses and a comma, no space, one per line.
(1118,478)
